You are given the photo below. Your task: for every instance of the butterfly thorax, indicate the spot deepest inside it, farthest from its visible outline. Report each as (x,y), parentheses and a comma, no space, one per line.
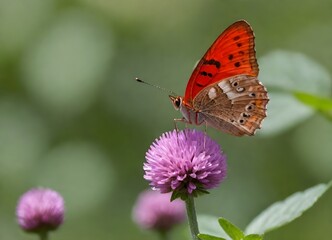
(190,115)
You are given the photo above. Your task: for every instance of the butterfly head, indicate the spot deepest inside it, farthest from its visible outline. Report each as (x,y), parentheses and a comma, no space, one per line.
(177,101)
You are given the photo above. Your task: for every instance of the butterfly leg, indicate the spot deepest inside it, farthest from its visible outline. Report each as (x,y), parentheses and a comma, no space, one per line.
(176,120)
(205,133)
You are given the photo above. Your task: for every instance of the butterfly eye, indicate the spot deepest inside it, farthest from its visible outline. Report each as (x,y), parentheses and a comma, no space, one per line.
(178,102)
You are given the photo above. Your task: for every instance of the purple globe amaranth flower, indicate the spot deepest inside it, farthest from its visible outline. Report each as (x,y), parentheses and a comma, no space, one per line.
(40,210)
(185,162)
(155,211)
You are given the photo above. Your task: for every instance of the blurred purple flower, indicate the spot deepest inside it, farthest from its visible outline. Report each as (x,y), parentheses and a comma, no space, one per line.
(155,211)
(185,162)
(40,210)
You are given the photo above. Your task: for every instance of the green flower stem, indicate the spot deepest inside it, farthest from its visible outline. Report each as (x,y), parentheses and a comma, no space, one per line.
(191,213)
(43,235)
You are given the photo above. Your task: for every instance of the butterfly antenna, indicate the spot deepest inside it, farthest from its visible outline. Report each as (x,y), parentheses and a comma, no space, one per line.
(156,86)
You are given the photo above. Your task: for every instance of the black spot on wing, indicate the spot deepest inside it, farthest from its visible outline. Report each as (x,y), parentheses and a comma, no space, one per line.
(217,64)
(203,73)
(236,38)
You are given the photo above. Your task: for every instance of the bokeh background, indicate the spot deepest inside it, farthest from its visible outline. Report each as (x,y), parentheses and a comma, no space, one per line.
(72,118)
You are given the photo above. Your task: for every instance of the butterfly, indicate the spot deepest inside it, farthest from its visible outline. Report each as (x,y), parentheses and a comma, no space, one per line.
(223,91)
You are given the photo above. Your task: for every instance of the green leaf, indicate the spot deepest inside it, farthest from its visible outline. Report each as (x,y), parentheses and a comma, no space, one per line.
(183,193)
(283,112)
(253,237)
(209,225)
(175,195)
(284,73)
(209,237)
(233,231)
(317,102)
(283,212)
(292,71)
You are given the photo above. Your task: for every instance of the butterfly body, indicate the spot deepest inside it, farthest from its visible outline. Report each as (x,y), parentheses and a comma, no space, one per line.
(223,90)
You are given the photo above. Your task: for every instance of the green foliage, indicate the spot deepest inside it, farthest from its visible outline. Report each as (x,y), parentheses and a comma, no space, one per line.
(316,102)
(253,237)
(275,216)
(284,73)
(183,193)
(209,237)
(233,231)
(283,212)
(321,104)
(292,71)
(210,226)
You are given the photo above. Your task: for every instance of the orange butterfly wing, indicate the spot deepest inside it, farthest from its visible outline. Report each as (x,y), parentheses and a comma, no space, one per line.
(232,53)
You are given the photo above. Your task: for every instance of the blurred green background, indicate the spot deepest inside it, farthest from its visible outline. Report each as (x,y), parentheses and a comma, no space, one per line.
(73,119)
